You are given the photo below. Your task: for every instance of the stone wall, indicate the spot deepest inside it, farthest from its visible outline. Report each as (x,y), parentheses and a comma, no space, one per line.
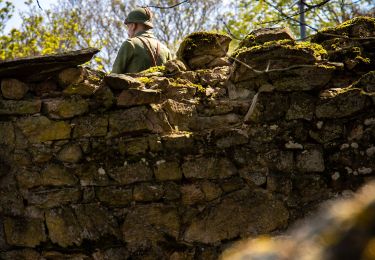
(171,163)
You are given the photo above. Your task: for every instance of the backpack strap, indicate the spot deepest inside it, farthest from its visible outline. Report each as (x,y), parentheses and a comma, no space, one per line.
(153,56)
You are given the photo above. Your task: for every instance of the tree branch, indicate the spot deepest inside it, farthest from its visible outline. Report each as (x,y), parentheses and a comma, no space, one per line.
(37,1)
(168,7)
(310,7)
(289,17)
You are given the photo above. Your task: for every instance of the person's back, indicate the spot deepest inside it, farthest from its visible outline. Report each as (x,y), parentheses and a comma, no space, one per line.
(142,50)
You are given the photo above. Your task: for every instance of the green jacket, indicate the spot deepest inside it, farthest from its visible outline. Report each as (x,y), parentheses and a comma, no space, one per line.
(134,57)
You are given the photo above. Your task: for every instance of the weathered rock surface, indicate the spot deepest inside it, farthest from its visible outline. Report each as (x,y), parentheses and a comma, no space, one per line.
(13,89)
(201,48)
(40,67)
(172,163)
(263,35)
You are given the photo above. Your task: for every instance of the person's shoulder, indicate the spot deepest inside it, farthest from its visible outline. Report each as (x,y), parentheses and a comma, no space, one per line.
(129,43)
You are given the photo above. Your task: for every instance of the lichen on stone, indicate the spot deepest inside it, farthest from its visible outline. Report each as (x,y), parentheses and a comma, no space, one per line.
(154,69)
(358,27)
(206,40)
(289,45)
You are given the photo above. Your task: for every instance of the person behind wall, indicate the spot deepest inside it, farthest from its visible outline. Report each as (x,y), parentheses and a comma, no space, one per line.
(141,50)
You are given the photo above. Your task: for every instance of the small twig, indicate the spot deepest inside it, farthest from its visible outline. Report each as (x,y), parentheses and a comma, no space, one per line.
(289,17)
(168,7)
(310,7)
(268,65)
(229,31)
(37,1)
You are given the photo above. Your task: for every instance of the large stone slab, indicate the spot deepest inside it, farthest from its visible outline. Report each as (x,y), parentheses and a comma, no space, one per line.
(243,213)
(69,226)
(121,81)
(41,129)
(21,107)
(136,97)
(13,89)
(38,68)
(26,232)
(262,35)
(131,173)
(65,108)
(208,168)
(90,126)
(147,225)
(341,102)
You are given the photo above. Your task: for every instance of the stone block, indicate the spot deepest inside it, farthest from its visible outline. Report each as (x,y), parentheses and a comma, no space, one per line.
(114,196)
(146,225)
(56,175)
(182,142)
(242,213)
(92,175)
(69,226)
(302,79)
(310,160)
(63,227)
(208,168)
(50,198)
(13,89)
(7,134)
(90,126)
(146,192)
(338,102)
(168,171)
(20,254)
(116,253)
(192,194)
(84,89)
(212,122)
(209,45)
(302,106)
(136,97)
(71,76)
(26,232)
(179,114)
(211,190)
(263,35)
(41,129)
(121,81)
(51,175)
(70,153)
(131,173)
(45,88)
(65,108)
(129,120)
(133,146)
(22,107)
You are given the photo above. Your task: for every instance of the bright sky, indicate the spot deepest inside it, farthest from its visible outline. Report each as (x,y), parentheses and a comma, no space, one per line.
(20,6)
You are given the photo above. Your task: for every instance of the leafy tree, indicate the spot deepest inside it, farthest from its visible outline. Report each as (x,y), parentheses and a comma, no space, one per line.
(6,12)
(45,34)
(246,15)
(74,24)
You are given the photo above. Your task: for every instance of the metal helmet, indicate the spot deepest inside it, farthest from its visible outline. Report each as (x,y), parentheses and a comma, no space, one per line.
(141,15)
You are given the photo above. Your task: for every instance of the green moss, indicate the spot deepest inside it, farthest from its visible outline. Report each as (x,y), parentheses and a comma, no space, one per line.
(192,41)
(346,29)
(328,67)
(154,69)
(316,49)
(145,80)
(183,83)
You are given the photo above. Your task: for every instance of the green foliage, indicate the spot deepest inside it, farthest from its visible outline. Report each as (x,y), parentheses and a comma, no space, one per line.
(40,35)
(6,12)
(249,15)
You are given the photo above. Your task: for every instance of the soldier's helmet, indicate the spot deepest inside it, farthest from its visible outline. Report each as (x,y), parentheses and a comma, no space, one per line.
(141,15)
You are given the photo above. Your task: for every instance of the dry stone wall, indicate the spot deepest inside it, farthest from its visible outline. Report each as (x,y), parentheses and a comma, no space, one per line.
(169,163)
